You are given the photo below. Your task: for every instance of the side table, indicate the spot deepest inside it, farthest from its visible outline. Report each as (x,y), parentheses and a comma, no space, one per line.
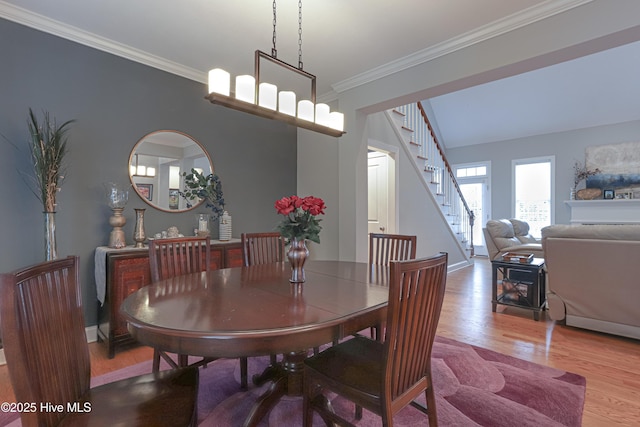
(521,285)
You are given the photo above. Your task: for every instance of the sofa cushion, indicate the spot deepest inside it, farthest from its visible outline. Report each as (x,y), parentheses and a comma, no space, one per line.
(527,239)
(595,231)
(503,233)
(529,248)
(521,230)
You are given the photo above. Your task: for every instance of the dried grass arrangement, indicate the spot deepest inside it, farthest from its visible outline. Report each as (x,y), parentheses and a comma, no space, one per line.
(48,146)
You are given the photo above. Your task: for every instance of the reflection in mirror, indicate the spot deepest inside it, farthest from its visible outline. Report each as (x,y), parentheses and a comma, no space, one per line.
(156,165)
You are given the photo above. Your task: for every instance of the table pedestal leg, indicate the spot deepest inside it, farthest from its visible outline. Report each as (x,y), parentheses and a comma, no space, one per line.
(286,380)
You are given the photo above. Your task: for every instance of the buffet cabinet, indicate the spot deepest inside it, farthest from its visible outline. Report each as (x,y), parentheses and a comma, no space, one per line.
(127,270)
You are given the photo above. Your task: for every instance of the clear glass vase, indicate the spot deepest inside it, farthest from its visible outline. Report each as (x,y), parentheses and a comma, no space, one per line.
(50,248)
(202,221)
(117,197)
(117,194)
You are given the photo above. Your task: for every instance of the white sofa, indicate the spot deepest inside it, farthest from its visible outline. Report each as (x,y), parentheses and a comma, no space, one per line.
(593,281)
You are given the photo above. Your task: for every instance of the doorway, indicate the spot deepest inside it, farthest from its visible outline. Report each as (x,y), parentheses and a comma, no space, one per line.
(381,191)
(475,187)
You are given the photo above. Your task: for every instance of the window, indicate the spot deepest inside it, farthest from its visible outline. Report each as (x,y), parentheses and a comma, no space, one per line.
(533,192)
(470,172)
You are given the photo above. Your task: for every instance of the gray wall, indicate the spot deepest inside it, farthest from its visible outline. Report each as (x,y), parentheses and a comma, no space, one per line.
(567,147)
(115,102)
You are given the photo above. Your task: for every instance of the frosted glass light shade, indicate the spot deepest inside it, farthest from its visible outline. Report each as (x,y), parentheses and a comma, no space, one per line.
(336,120)
(132,170)
(151,171)
(287,102)
(305,110)
(246,88)
(219,81)
(268,96)
(142,170)
(322,114)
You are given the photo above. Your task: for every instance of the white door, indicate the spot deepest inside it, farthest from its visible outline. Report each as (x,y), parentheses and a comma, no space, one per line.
(378,199)
(475,192)
(475,185)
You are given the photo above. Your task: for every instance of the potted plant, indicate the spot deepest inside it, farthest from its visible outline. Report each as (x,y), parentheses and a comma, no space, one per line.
(208,188)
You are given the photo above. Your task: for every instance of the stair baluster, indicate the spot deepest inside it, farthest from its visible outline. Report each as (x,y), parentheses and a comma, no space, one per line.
(431,159)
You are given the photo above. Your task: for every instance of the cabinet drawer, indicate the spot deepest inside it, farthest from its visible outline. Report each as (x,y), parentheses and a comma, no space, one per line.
(233,256)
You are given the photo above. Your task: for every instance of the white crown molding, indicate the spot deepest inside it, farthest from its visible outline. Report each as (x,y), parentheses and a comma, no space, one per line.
(501,26)
(57,28)
(496,28)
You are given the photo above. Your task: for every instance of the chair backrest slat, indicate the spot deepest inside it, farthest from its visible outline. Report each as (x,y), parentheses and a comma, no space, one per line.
(43,336)
(390,247)
(262,248)
(416,292)
(174,257)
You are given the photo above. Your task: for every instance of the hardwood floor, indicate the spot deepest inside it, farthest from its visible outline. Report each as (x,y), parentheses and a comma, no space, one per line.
(610,364)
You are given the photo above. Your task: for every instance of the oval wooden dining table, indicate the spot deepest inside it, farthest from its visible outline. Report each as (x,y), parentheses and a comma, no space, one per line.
(255,311)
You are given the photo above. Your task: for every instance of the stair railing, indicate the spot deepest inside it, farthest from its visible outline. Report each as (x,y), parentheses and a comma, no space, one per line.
(442,176)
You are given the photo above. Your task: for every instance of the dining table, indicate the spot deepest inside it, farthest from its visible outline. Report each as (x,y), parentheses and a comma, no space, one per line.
(257,311)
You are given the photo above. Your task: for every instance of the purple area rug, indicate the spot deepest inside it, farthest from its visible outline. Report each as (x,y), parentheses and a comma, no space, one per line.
(474,387)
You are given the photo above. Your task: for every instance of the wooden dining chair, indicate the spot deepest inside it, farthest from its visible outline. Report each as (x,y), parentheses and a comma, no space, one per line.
(389,247)
(262,248)
(45,345)
(384,377)
(174,257)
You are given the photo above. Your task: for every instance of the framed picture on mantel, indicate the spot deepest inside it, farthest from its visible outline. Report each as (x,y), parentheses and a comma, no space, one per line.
(609,194)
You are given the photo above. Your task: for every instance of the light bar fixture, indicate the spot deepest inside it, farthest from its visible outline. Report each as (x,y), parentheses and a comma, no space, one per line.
(263,99)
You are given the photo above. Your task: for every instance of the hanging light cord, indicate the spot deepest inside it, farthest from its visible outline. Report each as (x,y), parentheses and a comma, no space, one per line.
(274,50)
(299,34)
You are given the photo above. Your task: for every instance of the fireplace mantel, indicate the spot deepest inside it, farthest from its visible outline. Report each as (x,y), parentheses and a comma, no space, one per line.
(616,211)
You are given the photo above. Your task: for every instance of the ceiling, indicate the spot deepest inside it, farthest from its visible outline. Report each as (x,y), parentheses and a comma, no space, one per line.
(347,42)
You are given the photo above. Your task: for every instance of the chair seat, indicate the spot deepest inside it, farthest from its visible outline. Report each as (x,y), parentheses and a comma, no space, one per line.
(384,377)
(165,398)
(356,364)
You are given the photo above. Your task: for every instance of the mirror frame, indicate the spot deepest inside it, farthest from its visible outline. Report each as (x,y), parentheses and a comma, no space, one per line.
(135,187)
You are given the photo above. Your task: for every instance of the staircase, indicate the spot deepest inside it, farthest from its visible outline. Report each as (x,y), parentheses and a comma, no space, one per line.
(413,127)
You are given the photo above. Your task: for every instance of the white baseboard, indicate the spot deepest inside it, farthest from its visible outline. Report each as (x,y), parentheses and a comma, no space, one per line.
(460,265)
(90,331)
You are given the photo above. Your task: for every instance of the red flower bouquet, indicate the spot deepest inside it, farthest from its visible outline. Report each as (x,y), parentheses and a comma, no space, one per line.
(300,220)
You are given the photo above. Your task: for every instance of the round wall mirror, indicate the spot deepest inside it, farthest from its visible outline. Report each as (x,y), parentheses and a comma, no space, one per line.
(156,165)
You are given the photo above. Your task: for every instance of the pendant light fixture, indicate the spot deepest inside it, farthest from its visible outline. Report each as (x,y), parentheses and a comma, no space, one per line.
(263,99)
